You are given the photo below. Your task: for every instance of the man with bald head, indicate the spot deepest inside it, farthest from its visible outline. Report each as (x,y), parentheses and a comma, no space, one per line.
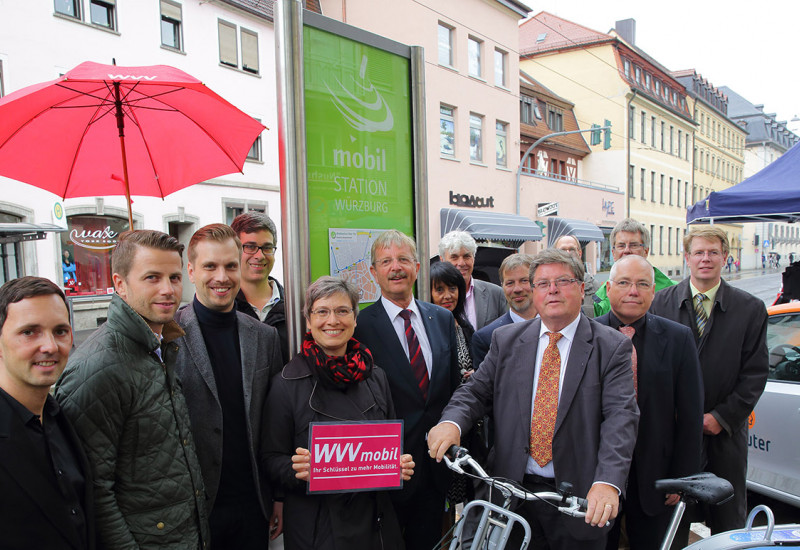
(629,237)
(669,390)
(571,245)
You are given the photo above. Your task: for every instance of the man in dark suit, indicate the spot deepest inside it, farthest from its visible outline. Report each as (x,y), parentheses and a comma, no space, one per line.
(730,328)
(261,296)
(515,278)
(224,362)
(46,499)
(670,398)
(581,367)
(484,301)
(414,342)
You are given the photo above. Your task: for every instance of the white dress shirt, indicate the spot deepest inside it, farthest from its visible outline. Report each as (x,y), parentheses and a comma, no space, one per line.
(393,310)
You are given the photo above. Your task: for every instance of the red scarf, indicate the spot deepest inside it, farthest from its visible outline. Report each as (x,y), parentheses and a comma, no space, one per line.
(354,366)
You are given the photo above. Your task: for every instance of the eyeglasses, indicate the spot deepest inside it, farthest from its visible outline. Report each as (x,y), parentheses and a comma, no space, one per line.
(267,249)
(324,312)
(712,254)
(402,260)
(626,285)
(629,246)
(560,283)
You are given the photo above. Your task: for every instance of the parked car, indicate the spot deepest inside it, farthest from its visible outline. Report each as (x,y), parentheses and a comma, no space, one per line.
(774,426)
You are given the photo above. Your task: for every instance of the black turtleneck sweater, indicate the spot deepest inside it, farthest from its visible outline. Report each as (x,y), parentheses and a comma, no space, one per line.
(221,336)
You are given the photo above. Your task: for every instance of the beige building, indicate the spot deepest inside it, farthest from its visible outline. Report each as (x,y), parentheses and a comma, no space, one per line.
(609,79)
(471,90)
(718,146)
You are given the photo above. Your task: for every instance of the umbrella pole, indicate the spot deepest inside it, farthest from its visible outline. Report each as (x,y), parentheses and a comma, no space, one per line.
(121,127)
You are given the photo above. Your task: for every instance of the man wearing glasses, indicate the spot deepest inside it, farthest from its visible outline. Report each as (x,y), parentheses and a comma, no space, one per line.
(563,408)
(261,296)
(628,237)
(414,342)
(730,327)
(669,392)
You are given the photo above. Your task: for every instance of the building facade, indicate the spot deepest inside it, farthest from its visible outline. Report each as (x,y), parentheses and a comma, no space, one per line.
(767,139)
(229,45)
(650,154)
(718,147)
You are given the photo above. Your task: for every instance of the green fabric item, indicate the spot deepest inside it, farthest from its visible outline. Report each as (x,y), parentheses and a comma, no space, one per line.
(602,307)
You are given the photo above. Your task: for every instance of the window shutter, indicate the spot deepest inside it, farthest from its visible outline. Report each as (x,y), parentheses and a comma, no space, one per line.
(228,54)
(170,10)
(249,51)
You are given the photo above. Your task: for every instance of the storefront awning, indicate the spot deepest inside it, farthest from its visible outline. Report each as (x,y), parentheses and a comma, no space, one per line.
(582,230)
(16,232)
(493,226)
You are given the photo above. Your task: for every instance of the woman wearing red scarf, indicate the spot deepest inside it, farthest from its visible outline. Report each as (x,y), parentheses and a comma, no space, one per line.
(332,379)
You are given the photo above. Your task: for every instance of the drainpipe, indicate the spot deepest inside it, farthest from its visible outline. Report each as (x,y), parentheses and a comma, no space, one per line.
(629,181)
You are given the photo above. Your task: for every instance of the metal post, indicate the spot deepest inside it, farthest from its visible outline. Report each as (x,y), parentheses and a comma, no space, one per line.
(537,142)
(421,223)
(292,155)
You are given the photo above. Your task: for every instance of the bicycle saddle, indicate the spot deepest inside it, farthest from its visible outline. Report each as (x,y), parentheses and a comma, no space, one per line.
(703,487)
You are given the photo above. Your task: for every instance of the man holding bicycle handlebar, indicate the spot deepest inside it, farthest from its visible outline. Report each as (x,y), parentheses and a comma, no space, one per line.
(563,408)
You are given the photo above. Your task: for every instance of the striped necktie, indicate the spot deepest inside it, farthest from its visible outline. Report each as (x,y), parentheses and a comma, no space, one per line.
(545,405)
(700,313)
(415,357)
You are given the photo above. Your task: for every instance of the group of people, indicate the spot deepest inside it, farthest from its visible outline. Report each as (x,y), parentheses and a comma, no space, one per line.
(188,427)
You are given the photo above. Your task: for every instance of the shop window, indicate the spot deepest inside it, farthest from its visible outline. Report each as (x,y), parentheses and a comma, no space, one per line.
(10,253)
(87,244)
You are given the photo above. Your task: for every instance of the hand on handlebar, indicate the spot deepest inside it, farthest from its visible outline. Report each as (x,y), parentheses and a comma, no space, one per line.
(440,438)
(603,504)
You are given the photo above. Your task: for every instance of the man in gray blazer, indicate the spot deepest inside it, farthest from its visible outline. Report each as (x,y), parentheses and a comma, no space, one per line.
(224,363)
(581,367)
(485,301)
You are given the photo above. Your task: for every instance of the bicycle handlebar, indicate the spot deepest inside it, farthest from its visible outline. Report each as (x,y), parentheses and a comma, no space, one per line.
(457,457)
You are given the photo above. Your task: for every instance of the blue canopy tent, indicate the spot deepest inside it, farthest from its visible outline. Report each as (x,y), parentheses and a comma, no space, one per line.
(773,194)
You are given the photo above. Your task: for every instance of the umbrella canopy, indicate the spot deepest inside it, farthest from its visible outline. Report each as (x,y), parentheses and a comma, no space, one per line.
(60,135)
(773,194)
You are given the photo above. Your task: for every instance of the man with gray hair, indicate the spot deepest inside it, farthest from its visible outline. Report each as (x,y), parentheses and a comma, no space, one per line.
(484,301)
(628,237)
(414,342)
(515,278)
(563,408)
(666,376)
(571,245)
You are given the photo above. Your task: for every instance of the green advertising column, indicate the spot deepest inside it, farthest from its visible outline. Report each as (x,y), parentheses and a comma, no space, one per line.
(359,149)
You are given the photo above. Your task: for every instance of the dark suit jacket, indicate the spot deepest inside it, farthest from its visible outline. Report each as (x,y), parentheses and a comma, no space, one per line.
(490,303)
(595,429)
(483,338)
(733,351)
(32,510)
(375,331)
(671,408)
(260,350)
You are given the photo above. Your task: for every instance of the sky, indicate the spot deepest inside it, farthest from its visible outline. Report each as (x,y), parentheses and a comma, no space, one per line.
(751,47)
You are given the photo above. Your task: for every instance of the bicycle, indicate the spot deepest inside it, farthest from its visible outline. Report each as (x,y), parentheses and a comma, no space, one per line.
(495,522)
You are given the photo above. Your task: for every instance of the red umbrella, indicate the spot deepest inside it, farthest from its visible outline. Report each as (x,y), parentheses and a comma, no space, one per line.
(173,132)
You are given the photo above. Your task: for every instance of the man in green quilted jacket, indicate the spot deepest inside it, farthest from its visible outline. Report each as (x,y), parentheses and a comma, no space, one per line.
(120,392)
(628,237)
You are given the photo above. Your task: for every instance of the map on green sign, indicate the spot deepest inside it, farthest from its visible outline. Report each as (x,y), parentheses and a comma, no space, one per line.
(359,151)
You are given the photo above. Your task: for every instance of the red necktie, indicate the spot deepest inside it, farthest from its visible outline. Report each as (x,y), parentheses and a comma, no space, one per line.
(629,332)
(415,357)
(545,405)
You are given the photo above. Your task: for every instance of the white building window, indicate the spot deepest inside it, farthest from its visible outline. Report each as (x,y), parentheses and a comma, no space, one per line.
(500,61)
(234,207)
(70,8)
(501,144)
(474,47)
(171,21)
(229,47)
(447,131)
(475,137)
(102,13)
(445,45)
(254,153)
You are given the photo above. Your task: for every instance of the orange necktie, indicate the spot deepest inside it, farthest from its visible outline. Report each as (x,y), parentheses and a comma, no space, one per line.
(629,332)
(545,405)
